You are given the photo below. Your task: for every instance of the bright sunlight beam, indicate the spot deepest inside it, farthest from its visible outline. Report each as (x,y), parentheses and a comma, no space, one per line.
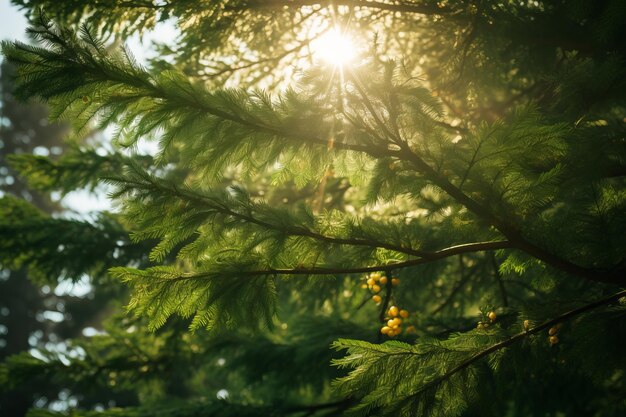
(334,48)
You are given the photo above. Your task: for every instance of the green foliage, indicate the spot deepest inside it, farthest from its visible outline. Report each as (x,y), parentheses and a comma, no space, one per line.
(473,156)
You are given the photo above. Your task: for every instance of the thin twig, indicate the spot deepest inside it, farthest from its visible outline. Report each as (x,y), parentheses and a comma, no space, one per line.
(461,283)
(385,304)
(444,253)
(496,273)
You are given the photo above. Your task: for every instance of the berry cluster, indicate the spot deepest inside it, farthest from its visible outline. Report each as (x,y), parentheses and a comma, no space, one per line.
(553,338)
(483,325)
(394,323)
(374,282)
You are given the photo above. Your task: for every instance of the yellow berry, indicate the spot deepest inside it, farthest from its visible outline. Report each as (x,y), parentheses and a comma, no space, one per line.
(383,280)
(376,299)
(492,316)
(552,331)
(526,325)
(397,321)
(480,326)
(375,276)
(393,311)
(364,286)
(371,282)
(404,314)
(395,281)
(391,323)
(411,329)
(553,340)
(385,330)
(376,288)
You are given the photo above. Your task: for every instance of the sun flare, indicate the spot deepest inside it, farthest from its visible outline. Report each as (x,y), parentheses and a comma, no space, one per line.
(334,48)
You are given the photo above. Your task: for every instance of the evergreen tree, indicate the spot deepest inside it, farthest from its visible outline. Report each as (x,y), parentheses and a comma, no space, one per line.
(435,227)
(22,129)
(35,314)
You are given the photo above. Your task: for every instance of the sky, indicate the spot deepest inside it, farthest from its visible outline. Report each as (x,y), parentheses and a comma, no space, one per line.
(12,22)
(13,26)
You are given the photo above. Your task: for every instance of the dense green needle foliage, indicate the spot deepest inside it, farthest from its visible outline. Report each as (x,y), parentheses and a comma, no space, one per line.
(472,154)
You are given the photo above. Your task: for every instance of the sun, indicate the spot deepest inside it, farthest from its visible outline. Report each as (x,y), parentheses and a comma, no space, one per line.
(334,48)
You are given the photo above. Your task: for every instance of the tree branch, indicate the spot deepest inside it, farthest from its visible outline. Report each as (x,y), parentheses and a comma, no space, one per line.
(432,256)
(314,408)
(301,230)
(498,346)
(498,276)
(423,9)
(462,281)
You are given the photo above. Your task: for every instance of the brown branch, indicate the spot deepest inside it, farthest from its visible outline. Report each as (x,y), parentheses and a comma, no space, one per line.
(314,408)
(462,281)
(385,304)
(505,343)
(498,276)
(432,256)
(424,9)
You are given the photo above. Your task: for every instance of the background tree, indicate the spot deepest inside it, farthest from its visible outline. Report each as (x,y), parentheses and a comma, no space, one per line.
(465,171)
(37,313)
(23,128)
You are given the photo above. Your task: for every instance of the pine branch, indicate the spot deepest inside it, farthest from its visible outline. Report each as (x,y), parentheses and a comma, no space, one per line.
(512,233)
(520,336)
(419,378)
(421,9)
(131,84)
(247,214)
(55,249)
